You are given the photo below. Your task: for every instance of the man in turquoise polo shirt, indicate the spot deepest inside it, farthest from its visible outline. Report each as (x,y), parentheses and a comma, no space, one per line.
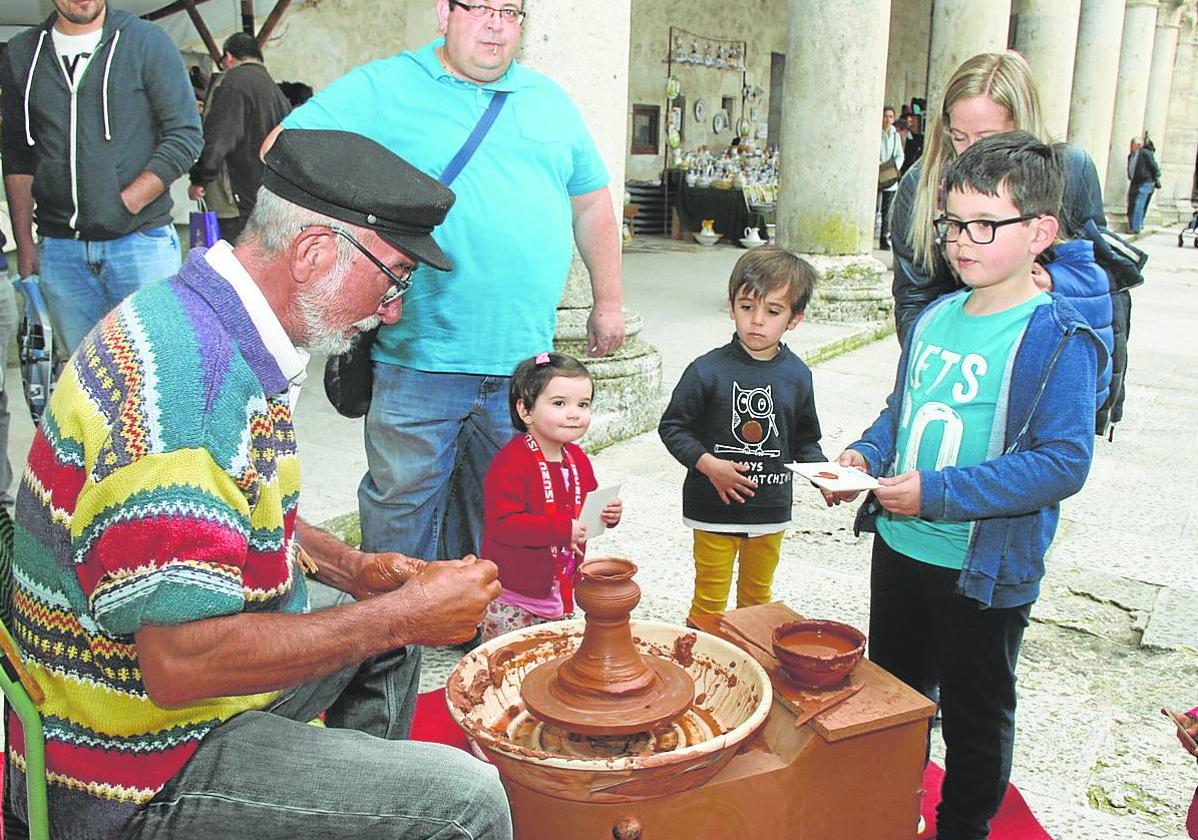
(535,187)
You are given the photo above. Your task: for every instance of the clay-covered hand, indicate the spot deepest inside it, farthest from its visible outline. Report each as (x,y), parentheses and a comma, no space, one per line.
(728,478)
(445,601)
(848,458)
(387,571)
(578,535)
(612,512)
(900,494)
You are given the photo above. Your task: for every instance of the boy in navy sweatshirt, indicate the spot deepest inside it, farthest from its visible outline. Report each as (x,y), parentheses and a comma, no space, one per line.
(989,427)
(739,414)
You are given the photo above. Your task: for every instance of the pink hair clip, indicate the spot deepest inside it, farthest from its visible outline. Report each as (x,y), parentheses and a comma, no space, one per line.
(542,359)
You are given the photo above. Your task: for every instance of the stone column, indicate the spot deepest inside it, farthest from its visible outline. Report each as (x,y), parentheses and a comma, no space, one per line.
(1046,35)
(1095,72)
(1176,153)
(1131,98)
(628,382)
(962,29)
(1160,78)
(829,165)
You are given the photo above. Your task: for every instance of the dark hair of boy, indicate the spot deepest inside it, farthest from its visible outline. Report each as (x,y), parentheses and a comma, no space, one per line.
(529,379)
(768,268)
(1030,171)
(242,46)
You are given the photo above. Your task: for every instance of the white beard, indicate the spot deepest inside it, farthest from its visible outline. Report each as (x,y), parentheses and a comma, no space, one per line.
(317,307)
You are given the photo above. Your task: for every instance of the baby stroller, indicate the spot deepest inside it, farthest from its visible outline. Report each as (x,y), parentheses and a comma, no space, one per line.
(40,365)
(1190,230)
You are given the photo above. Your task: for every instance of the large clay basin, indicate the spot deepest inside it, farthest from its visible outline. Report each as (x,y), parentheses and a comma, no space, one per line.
(484,698)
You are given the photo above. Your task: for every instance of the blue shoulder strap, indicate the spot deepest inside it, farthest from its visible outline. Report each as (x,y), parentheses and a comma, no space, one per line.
(476,137)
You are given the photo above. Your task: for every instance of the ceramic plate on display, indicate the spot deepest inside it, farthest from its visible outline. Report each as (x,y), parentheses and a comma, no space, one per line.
(719,122)
(700,109)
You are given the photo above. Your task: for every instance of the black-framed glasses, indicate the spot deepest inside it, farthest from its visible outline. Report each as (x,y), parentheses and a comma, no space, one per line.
(981,231)
(507,14)
(400,282)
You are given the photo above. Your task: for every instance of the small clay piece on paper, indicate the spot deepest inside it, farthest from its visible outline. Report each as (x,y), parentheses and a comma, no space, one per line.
(831,476)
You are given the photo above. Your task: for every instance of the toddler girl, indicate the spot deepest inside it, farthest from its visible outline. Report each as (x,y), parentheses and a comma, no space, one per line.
(534,492)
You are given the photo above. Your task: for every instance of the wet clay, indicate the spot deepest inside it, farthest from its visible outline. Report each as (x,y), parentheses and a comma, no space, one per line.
(683,649)
(607,687)
(816,644)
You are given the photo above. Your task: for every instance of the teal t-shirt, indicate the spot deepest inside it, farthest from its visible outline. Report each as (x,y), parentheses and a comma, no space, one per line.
(956,381)
(510,231)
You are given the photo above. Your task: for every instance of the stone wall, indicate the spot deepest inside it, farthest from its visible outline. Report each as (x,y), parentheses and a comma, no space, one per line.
(761,23)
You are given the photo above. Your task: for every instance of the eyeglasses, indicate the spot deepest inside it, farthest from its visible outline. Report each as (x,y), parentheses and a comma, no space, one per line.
(981,231)
(400,283)
(477,10)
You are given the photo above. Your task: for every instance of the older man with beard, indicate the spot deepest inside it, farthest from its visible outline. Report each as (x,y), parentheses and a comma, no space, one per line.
(159,581)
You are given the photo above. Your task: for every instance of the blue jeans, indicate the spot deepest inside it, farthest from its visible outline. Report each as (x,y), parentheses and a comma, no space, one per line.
(8,327)
(83,280)
(1143,193)
(430,438)
(269,774)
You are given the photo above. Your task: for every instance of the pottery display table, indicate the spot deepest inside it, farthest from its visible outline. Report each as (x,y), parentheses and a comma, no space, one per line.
(851,772)
(726,207)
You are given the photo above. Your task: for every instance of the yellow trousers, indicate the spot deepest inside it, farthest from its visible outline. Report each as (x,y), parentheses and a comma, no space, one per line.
(715,555)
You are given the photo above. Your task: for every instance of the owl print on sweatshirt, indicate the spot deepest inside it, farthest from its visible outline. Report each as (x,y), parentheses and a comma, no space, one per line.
(753,422)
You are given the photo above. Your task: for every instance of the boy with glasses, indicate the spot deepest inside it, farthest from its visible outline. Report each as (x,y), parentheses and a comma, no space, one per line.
(988,429)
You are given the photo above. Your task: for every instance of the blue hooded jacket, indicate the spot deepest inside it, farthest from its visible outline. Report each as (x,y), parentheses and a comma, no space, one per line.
(1046,407)
(1079,278)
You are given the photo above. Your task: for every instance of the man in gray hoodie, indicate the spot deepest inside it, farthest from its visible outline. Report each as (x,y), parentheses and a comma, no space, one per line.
(98,119)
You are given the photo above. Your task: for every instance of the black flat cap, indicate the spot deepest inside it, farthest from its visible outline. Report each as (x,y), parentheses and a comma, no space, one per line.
(354,179)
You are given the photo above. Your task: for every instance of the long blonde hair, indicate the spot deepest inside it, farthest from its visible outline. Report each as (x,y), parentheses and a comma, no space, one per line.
(1006,79)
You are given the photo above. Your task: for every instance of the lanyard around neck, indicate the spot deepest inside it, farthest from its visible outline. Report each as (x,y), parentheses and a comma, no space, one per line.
(565,561)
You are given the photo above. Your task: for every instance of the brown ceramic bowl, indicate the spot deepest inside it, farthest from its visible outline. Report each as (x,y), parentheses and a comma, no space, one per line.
(817,653)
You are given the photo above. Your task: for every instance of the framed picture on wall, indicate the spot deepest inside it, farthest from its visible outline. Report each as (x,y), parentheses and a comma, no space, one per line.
(646,121)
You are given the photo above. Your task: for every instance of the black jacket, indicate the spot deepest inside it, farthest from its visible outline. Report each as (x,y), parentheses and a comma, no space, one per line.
(914,288)
(134,110)
(1147,169)
(738,408)
(245,106)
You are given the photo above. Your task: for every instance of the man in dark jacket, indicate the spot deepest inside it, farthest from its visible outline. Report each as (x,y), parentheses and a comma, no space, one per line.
(1146,178)
(98,119)
(245,106)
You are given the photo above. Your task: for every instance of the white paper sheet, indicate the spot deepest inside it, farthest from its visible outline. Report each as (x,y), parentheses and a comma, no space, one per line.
(593,506)
(842,478)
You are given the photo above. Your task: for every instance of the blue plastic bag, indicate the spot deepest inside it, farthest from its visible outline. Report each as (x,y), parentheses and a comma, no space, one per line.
(205,229)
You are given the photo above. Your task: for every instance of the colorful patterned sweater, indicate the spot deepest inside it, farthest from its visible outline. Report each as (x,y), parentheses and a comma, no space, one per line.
(161,488)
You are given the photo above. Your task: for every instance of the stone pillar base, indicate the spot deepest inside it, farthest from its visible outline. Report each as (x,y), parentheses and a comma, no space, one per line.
(628,395)
(851,288)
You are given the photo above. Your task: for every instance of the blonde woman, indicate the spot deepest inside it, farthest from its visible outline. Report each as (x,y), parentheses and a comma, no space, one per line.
(988,94)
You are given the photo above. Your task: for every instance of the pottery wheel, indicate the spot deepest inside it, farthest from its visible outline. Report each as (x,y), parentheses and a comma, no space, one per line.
(668,696)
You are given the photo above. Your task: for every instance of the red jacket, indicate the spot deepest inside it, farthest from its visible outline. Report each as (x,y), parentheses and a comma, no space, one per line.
(517,533)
